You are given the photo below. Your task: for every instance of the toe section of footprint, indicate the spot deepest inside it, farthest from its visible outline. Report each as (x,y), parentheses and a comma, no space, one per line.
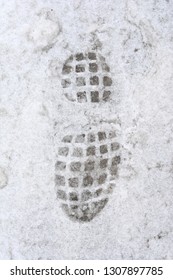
(86,77)
(86,170)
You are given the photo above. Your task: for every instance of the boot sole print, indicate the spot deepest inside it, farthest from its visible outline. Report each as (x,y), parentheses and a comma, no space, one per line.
(87,163)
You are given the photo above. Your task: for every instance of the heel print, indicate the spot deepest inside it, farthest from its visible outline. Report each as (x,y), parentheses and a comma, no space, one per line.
(86,78)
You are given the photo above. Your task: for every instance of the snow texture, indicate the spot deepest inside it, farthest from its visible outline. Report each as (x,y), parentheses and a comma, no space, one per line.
(135,38)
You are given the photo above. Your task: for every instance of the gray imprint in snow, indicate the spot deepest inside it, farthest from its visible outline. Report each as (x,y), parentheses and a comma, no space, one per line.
(86,78)
(86,169)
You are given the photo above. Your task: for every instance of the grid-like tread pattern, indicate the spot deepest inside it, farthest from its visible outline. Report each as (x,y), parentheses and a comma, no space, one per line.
(86,168)
(86,78)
